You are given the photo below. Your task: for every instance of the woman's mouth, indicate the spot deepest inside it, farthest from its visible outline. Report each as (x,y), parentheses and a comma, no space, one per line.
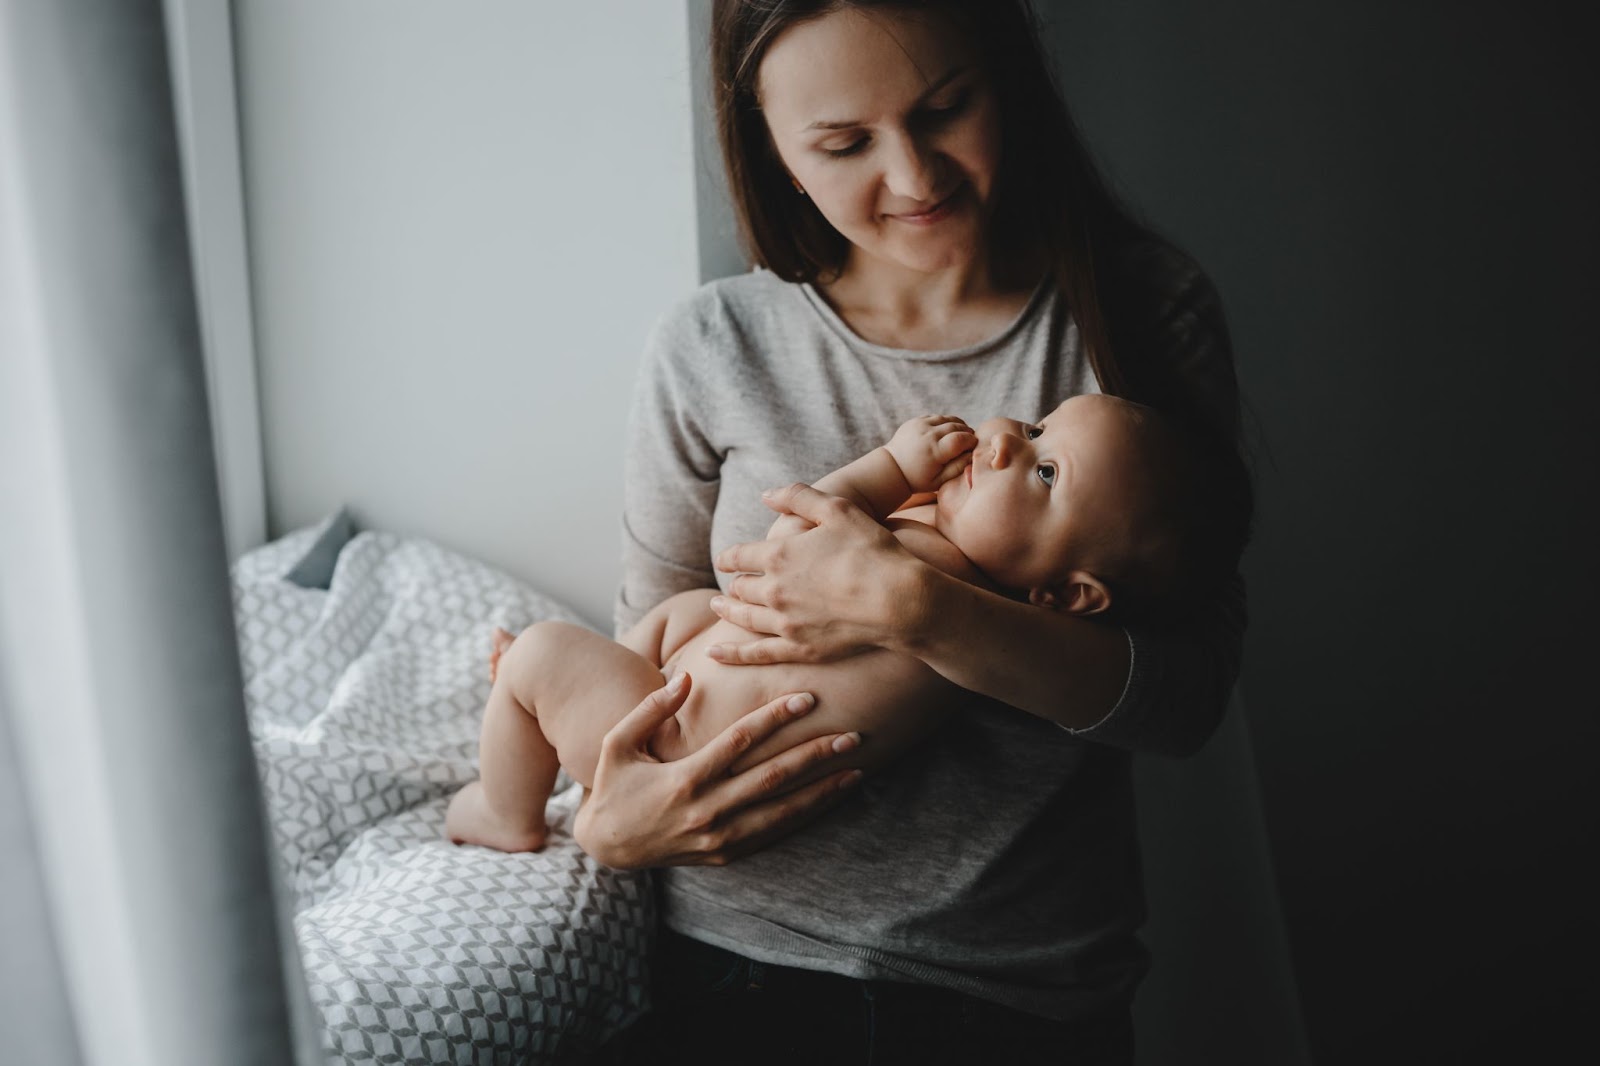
(938,212)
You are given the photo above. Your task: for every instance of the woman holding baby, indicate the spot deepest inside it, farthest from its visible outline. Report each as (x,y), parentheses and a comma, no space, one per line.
(933,237)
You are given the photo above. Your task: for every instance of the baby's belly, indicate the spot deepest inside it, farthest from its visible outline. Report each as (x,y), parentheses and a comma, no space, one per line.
(892,700)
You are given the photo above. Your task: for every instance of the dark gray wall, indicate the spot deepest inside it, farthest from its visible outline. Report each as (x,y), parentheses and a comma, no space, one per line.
(1397,202)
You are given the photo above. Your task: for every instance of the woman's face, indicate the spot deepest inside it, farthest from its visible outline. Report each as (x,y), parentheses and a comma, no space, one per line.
(887,122)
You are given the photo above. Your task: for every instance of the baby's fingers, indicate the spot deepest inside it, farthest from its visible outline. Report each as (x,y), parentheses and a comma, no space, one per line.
(953,469)
(954,442)
(938,421)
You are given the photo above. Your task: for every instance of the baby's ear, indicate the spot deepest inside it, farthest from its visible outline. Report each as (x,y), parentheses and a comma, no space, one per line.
(1079,593)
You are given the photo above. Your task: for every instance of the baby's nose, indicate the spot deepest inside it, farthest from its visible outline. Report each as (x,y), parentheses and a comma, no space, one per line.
(1004,448)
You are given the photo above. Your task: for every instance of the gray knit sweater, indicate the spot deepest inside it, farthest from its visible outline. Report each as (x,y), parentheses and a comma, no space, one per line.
(1000,858)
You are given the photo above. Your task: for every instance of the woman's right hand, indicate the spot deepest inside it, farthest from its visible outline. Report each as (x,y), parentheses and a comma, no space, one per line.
(642,812)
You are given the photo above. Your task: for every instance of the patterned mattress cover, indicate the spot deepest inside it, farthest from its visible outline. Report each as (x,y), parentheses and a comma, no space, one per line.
(365,665)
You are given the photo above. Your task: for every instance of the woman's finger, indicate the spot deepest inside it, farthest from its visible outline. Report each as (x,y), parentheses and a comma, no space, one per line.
(748,588)
(756,617)
(786,771)
(808,503)
(714,760)
(751,557)
(760,652)
(634,731)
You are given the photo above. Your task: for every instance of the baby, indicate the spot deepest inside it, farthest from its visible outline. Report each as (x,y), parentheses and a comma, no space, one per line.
(1095,510)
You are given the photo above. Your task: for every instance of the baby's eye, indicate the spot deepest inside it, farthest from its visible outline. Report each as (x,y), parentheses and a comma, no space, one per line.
(1032,432)
(1047,473)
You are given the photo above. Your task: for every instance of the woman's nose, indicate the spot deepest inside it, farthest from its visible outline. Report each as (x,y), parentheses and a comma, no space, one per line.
(910,171)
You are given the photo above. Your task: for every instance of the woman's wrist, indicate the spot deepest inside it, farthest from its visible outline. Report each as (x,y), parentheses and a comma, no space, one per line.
(913,605)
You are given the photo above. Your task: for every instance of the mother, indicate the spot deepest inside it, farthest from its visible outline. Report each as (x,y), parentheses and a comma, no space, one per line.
(934,237)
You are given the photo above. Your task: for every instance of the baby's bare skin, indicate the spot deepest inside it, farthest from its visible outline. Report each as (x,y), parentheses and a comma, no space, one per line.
(560,688)
(576,684)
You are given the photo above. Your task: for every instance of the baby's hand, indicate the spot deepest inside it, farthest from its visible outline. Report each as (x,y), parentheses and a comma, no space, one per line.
(931,450)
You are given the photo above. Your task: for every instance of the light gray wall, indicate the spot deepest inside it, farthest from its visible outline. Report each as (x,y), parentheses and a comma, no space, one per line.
(463,220)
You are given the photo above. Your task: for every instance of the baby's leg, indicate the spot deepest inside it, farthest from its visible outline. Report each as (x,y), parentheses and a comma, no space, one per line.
(559,688)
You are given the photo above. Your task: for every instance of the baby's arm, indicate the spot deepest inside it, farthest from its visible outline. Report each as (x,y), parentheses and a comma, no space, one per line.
(923,454)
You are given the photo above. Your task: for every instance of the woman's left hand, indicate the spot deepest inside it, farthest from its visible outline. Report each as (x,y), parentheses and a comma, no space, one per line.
(833,591)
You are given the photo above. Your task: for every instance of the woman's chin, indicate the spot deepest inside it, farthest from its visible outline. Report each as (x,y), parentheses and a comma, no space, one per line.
(955,247)
(935,257)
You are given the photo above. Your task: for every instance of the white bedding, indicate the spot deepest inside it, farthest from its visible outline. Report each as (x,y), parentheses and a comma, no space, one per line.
(364,702)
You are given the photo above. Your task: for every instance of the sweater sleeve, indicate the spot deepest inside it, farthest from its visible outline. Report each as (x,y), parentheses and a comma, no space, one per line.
(1180,679)
(671,470)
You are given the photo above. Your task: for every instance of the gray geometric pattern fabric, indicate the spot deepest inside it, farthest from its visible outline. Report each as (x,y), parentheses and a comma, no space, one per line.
(365,701)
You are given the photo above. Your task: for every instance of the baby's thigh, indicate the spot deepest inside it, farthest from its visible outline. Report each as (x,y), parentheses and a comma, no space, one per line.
(578,684)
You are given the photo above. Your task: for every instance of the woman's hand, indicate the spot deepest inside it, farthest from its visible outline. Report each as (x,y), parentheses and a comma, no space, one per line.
(835,590)
(642,812)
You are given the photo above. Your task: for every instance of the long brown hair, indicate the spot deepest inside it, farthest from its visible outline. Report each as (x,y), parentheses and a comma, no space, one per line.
(1051,200)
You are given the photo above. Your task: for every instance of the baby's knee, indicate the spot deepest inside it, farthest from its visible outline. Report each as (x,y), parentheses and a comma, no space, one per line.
(541,644)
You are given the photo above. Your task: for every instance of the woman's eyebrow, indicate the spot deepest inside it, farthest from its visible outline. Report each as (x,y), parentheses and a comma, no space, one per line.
(849,123)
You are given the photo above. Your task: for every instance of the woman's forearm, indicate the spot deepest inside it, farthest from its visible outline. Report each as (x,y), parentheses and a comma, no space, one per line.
(1061,668)
(848,584)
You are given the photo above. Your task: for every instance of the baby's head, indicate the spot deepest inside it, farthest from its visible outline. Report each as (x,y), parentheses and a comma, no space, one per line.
(1101,508)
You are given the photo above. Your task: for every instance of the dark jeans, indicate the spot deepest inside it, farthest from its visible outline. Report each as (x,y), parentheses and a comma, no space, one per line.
(712,1006)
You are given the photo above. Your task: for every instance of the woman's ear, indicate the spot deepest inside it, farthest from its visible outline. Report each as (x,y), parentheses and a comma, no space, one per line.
(1079,593)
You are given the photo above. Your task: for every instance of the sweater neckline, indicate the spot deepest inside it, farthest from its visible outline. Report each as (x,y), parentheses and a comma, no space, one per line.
(834,322)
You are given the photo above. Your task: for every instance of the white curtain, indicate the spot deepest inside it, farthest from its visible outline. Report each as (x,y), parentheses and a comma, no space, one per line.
(137,878)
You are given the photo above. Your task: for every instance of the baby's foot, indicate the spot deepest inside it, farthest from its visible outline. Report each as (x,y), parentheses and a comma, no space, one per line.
(470,821)
(502,641)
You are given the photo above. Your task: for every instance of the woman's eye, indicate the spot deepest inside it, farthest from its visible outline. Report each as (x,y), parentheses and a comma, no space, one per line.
(1047,474)
(852,149)
(1033,432)
(953,108)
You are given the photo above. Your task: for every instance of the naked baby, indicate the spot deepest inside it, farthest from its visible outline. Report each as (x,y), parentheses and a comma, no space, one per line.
(1086,511)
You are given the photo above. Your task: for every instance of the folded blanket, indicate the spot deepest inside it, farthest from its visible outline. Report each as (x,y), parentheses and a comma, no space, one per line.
(365,698)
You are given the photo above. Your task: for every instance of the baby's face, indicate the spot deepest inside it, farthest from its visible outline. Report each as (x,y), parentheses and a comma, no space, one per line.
(1036,493)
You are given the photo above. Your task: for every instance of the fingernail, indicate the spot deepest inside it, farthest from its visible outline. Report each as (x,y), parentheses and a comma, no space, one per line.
(768,494)
(675,685)
(717,602)
(716,651)
(847,742)
(803,702)
(850,779)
